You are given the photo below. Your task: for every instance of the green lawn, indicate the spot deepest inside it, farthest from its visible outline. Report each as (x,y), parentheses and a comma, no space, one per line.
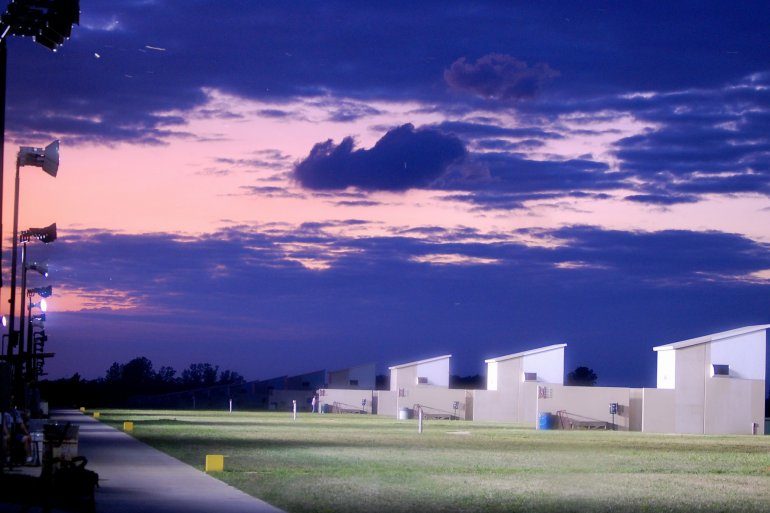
(367,463)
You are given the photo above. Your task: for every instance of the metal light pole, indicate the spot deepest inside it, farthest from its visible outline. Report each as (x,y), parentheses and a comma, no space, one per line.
(48,159)
(49,23)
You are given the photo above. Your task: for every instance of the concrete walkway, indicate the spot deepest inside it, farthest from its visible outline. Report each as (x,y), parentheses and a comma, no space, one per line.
(134,477)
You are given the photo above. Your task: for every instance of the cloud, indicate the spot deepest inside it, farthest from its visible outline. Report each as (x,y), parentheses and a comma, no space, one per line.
(403,158)
(498,77)
(374,298)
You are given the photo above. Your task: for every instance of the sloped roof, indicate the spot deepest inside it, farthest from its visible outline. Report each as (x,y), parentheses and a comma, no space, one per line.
(418,362)
(525,353)
(711,338)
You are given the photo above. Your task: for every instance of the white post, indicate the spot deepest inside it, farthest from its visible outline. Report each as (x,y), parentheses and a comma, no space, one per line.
(294,408)
(419,420)
(231,405)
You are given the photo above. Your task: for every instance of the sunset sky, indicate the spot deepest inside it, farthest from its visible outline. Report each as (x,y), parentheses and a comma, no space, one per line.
(280,187)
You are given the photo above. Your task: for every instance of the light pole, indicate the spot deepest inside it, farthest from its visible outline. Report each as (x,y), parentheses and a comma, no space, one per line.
(36,340)
(45,235)
(49,23)
(48,159)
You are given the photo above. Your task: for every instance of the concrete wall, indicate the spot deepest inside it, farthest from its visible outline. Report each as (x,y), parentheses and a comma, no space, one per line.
(666,368)
(433,399)
(690,391)
(361,377)
(636,409)
(745,354)
(589,404)
(349,399)
(437,372)
(658,410)
(733,405)
(549,365)
(492,375)
(281,400)
(387,402)
(517,404)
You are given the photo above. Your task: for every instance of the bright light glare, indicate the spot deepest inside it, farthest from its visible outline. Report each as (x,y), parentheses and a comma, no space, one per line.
(5,321)
(44,305)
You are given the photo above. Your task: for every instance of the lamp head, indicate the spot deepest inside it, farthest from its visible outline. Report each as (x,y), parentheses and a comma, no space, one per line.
(51,158)
(46,235)
(41,291)
(40,267)
(47,158)
(38,317)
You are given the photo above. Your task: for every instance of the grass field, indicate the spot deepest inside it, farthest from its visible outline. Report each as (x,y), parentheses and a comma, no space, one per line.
(333,463)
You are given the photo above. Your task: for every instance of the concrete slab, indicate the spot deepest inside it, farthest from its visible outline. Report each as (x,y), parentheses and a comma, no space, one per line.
(135,477)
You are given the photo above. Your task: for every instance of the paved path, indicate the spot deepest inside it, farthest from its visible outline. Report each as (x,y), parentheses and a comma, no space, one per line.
(134,477)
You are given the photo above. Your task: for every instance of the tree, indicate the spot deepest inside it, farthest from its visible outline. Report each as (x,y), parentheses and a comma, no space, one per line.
(138,372)
(582,377)
(228,377)
(200,375)
(166,375)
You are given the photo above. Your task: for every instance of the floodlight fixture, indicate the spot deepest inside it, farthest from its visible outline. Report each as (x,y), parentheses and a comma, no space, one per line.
(47,158)
(5,321)
(45,235)
(41,291)
(38,323)
(40,267)
(49,22)
(38,317)
(42,304)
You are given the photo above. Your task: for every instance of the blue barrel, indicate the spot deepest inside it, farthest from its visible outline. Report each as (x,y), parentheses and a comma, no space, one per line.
(544,420)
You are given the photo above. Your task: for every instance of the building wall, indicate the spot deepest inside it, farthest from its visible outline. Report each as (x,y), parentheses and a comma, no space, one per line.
(636,409)
(587,403)
(549,365)
(494,405)
(387,402)
(733,405)
(518,405)
(666,368)
(745,354)
(437,372)
(492,374)
(363,374)
(689,402)
(281,400)
(658,410)
(433,399)
(349,399)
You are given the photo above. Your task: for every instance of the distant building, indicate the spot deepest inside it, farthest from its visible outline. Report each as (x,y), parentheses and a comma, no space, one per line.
(512,381)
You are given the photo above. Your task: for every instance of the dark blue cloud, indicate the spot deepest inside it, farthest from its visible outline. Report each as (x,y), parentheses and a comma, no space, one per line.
(403,158)
(236,298)
(394,51)
(498,77)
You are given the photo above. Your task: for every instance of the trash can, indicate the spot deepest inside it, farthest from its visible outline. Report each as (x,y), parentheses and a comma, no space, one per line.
(404,414)
(544,420)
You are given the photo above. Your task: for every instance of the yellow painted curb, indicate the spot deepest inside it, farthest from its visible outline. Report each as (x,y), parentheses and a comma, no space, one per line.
(96,415)
(128,426)
(82,409)
(215,463)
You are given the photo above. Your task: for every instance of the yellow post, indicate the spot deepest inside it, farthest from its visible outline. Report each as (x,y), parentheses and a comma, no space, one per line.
(215,463)
(96,414)
(82,409)
(128,426)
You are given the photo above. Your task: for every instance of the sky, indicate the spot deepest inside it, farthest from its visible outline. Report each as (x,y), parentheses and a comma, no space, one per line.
(281,187)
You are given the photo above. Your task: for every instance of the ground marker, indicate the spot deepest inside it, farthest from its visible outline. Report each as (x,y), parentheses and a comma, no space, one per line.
(215,463)
(128,426)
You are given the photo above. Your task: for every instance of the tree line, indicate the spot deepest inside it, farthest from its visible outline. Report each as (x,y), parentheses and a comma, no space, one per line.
(134,378)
